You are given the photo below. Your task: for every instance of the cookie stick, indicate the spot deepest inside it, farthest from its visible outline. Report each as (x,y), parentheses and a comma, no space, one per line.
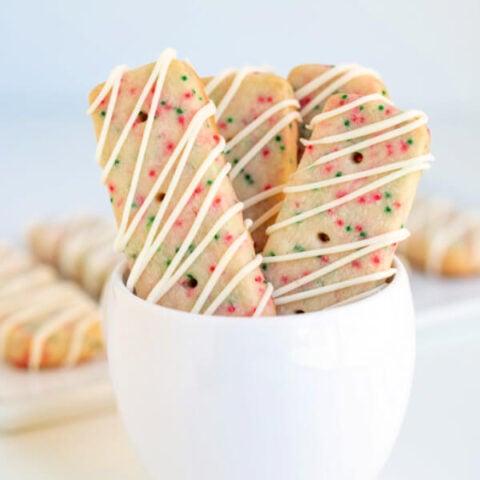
(345,206)
(257,114)
(156,205)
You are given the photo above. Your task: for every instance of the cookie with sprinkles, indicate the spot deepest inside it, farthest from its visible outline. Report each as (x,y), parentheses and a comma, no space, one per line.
(59,325)
(257,114)
(347,204)
(445,240)
(78,247)
(314,83)
(180,223)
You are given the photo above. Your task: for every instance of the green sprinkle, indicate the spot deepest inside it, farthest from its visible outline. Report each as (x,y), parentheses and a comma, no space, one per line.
(111,199)
(191,248)
(184,78)
(388,209)
(381,107)
(344,96)
(278,138)
(150,220)
(177,249)
(229,120)
(363,234)
(216,236)
(248,179)
(209,182)
(271,254)
(116,162)
(317,107)
(201,99)
(384,92)
(282,147)
(348,228)
(346,123)
(264,266)
(163,102)
(361,107)
(134,204)
(299,248)
(338,174)
(103,113)
(179,111)
(133,256)
(159,249)
(388,195)
(168,262)
(235,161)
(194,91)
(410,141)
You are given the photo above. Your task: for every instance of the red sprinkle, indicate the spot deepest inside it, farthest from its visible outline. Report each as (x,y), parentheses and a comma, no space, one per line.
(266,152)
(111,188)
(216,138)
(340,222)
(231,309)
(212,268)
(258,278)
(181,120)
(152,173)
(358,228)
(376,259)
(356,264)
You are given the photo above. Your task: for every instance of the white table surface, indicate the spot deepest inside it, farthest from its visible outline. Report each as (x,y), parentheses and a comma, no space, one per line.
(46,166)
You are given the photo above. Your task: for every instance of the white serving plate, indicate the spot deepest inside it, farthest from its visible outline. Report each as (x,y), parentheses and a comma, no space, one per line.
(30,399)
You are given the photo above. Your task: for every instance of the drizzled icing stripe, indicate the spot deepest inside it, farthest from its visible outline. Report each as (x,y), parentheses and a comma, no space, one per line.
(218,79)
(336,286)
(79,335)
(347,72)
(271,212)
(55,323)
(183,149)
(237,81)
(239,276)
(372,246)
(220,268)
(347,107)
(34,278)
(263,302)
(385,238)
(259,197)
(287,119)
(362,247)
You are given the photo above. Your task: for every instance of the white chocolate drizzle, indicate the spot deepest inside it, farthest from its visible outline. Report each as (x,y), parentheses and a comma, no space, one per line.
(345,74)
(49,306)
(404,123)
(239,76)
(176,163)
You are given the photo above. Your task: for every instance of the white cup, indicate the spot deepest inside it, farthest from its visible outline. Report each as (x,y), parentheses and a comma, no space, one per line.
(299,397)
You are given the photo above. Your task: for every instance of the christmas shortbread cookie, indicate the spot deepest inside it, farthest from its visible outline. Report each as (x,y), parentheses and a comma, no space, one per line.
(444,239)
(80,248)
(346,206)
(257,114)
(180,224)
(44,321)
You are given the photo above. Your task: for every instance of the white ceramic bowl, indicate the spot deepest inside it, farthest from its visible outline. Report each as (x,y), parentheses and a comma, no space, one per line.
(302,397)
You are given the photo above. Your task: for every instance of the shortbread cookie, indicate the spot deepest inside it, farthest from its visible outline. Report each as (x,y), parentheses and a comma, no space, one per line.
(257,114)
(44,321)
(180,223)
(80,248)
(346,205)
(445,240)
(314,83)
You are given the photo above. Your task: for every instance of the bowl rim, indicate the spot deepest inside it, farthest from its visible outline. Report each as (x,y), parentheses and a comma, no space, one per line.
(117,283)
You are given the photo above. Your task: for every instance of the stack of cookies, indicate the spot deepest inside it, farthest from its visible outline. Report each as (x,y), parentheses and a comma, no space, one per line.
(223,209)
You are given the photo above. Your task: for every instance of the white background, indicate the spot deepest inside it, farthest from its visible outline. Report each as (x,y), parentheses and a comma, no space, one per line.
(53,52)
